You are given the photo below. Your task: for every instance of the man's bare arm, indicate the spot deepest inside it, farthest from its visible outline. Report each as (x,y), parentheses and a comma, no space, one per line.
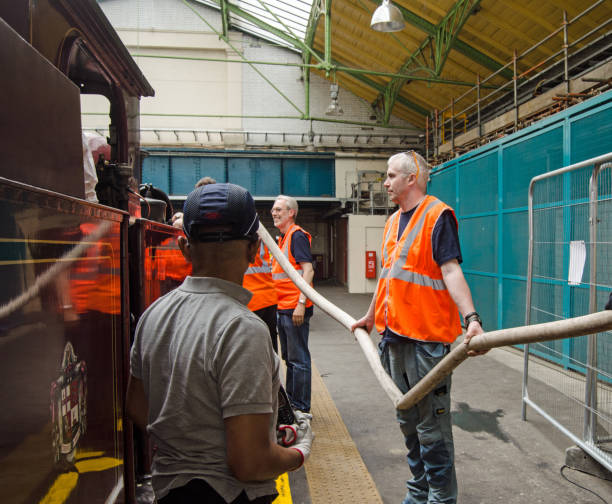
(460,292)
(300,309)
(136,403)
(251,454)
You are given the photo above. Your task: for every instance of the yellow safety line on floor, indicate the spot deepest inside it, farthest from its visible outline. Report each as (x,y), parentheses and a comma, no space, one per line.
(284,492)
(335,470)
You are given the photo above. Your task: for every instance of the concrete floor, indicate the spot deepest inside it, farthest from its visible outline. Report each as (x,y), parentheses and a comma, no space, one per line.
(499,458)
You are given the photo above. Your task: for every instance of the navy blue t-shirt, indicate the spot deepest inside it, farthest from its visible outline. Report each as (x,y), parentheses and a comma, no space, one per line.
(445,245)
(300,249)
(445,238)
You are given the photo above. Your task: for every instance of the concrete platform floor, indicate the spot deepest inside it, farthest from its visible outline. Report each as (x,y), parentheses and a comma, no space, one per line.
(499,457)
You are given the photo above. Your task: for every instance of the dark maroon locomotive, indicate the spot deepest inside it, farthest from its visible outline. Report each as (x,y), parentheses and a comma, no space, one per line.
(75,274)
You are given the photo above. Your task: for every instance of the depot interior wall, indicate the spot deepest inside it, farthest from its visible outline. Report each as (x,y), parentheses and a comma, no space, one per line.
(278,90)
(189,93)
(365,232)
(201,95)
(348,168)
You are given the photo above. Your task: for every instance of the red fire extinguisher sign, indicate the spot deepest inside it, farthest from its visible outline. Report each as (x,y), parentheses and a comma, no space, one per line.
(370,264)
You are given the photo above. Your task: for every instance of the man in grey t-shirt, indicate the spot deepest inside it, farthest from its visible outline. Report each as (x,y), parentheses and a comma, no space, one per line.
(204,377)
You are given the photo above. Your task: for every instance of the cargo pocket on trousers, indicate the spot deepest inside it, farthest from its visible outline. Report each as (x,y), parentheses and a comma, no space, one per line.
(441,398)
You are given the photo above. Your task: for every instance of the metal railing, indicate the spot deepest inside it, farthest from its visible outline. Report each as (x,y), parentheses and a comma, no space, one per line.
(570,384)
(266,139)
(523,84)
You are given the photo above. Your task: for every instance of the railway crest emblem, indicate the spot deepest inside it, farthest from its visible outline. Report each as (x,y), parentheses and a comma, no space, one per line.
(68,405)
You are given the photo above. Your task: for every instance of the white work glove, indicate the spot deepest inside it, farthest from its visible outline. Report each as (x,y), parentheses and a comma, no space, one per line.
(286,434)
(305,436)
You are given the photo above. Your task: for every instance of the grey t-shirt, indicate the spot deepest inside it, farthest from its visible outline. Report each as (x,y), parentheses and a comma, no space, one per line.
(202,357)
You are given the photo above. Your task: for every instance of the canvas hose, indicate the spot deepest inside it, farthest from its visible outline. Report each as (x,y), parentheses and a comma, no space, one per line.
(568,328)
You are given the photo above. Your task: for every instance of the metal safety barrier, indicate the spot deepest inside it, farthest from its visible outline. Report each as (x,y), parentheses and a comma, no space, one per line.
(569,382)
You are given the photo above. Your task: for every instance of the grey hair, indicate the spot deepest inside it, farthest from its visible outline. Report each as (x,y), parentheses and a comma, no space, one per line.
(205,181)
(290,201)
(407,165)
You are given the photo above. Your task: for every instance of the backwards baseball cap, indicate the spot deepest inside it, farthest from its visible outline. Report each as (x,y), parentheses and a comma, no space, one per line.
(220,212)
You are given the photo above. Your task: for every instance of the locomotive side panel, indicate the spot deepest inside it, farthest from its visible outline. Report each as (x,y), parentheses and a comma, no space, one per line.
(62,348)
(40,119)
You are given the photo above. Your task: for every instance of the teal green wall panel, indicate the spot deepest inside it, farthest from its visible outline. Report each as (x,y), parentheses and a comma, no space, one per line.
(308,177)
(591,135)
(479,243)
(176,171)
(261,176)
(527,158)
(513,304)
(485,287)
(296,181)
(478,185)
(186,171)
(443,187)
(156,171)
(488,188)
(322,178)
(239,171)
(516,241)
(268,177)
(184,174)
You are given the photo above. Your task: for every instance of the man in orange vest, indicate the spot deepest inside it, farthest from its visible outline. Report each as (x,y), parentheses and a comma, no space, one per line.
(294,309)
(258,280)
(415,308)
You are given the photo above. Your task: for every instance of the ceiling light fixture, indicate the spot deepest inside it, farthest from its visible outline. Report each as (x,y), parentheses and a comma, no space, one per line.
(387,18)
(334,107)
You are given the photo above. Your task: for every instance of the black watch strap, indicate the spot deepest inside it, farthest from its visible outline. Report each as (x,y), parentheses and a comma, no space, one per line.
(471,317)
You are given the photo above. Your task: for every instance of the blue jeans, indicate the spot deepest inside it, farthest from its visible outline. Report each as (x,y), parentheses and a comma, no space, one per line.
(295,353)
(427,427)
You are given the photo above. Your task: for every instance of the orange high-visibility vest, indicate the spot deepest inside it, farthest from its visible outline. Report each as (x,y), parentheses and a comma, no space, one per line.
(411,296)
(95,277)
(288,293)
(175,266)
(258,279)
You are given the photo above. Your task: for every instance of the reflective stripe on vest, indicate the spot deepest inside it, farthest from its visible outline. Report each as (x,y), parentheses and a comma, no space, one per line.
(411,296)
(415,278)
(261,265)
(283,275)
(288,293)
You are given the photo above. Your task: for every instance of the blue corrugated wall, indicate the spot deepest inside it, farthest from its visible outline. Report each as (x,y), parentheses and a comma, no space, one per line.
(488,188)
(176,171)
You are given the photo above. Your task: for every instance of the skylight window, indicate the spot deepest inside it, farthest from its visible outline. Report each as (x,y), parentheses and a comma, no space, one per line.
(288,16)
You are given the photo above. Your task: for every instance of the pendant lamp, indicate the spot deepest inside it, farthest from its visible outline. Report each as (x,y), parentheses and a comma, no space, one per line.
(387,18)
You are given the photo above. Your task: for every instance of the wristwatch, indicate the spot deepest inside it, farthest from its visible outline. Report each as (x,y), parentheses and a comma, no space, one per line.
(302,301)
(470,317)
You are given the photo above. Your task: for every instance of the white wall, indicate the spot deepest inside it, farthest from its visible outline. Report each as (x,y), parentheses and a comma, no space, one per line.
(348,166)
(260,97)
(365,232)
(185,89)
